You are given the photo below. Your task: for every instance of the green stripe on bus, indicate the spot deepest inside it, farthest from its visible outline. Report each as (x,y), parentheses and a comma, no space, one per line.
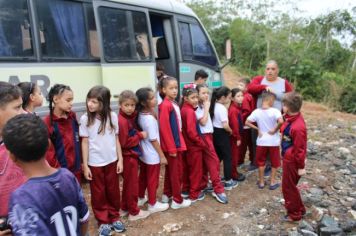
(215,84)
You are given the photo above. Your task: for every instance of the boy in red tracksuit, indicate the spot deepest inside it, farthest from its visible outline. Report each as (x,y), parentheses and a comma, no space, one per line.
(236,124)
(129,138)
(194,141)
(294,150)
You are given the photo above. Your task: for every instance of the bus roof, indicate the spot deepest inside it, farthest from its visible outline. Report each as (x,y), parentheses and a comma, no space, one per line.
(163,5)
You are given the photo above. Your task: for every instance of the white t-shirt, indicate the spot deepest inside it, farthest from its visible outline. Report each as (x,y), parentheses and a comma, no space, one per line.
(102,147)
(177,109)
(266,120)
(149,124)
(220,115)
(208,127)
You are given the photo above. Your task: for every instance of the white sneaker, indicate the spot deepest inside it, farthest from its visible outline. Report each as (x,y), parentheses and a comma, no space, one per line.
(141,215)
(165,198)
(157,207)
(185,203)
(142,201)
(123,213)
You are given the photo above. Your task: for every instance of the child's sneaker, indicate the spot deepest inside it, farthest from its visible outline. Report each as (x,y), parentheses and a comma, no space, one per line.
(240,178)
(104,230)
(157,207)
(123,213)
(220,197)
(185,203)
(200,197)
(142,201)
(252,167)
(118,226)
(208,189)
(229,185)
(165,198)
(185,194)
(141,215)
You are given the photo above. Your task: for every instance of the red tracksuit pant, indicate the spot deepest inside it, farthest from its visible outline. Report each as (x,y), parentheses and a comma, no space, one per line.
(148,179)
(192,171)
(130,186)
(246,142)
(293,201)
(173,177)
(105,193)
(211,165)
(235,156)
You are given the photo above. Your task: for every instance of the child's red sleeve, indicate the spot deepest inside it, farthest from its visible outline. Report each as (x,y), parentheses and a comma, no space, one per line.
(288,86)
(299,137)
(127,142)
(165,131)
(191,129)
(246,107)
(51,152)
(255,87)
(234,124)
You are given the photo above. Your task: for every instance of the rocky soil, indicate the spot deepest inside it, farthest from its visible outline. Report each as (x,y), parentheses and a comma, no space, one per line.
(328,190)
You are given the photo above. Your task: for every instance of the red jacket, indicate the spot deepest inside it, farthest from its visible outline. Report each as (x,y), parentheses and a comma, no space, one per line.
(190,127)
(64,150)
(248,105)
(235,120)
(129,136)
(172,140)
(255,88)
(294,140)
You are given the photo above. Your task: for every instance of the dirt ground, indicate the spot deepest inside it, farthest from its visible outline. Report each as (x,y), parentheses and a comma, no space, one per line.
(242,215)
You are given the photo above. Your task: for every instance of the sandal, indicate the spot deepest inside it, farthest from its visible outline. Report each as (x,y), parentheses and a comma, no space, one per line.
(260,186)
(274,186)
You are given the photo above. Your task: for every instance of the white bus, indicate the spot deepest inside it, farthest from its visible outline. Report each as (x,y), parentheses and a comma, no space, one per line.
(115,43)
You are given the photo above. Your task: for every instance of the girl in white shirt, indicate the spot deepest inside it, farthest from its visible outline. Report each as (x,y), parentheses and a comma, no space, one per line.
(102,159)
(220,98)
(152,153)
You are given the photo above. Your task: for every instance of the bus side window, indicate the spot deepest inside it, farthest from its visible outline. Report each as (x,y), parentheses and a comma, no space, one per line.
(15,31)
(161,49)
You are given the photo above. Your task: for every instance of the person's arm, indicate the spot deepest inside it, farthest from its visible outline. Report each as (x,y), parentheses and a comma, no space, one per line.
(166,133)
(255,87)
(127,141)
(158,149)
(205,118)
(85,155)
(84,228)
(5,232)
(251,125)
(119,167)
(226,126)
(234,125)
(299,150)
(191,128)
(277,127)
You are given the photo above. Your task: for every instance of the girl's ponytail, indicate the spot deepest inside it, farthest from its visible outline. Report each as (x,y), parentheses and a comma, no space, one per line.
(212,102)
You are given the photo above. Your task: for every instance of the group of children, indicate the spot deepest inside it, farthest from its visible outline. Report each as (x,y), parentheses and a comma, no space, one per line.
(191,138)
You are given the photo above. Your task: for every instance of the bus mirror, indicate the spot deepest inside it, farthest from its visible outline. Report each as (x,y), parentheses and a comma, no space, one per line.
(228,49)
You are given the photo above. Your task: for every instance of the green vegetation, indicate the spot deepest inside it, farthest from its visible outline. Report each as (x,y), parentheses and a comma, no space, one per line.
(311,53)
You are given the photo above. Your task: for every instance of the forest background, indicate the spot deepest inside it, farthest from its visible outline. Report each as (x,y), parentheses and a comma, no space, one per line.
(318,55)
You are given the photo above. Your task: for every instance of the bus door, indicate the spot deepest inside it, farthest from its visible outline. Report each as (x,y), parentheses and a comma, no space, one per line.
(196,52)
(164,44)
(125,39)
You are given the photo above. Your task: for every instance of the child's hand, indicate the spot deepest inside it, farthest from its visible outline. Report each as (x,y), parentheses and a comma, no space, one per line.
(206,105)
(272,132)
(119,167)
(238,143)
(163,160)
(260,134)
(5,232)
(301,172)
(173,154)
(144,134)
(269,89)
(87,173)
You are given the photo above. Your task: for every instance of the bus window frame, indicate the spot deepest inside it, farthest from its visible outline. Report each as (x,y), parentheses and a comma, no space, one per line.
(124,7)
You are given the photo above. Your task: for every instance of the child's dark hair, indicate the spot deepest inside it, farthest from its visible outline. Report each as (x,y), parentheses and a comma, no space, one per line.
(234,91)
(103,95)
(55,90)
(200,86)
(27,89)
(189,89)
(163,83)
(200,74)
(293,101)
(268,95)
(216,95)
(26,137)
(127,95)
(8,93)
(143,95)
(159,66)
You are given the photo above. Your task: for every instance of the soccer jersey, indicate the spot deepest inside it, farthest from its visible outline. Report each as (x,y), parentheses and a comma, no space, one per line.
(50,205)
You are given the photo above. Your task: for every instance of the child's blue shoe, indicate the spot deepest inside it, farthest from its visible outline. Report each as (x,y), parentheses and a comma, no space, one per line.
(208,189)
(229,185)
(220,197)
(240,178)
(200,197)
(274,186)
(118,226)
(104,230)
(185,194)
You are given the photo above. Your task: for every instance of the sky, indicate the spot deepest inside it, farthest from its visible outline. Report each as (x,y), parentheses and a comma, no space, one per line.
(313,8)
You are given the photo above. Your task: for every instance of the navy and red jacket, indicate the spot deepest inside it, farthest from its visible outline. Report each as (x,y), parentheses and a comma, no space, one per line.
(190,127)
(248,105)
(65,149)
(129,136)
(172,140)
(236,120)
(255,88)
(294,140)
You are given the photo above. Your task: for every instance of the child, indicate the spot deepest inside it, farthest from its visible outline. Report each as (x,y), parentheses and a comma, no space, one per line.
(236,124)
(63,130)
(102,159)
(51,202)
(269,120)
(211,162)
(200,77)
(194,141)
(11,176)
(248,138)
(294,151)
(220,98)
(130,139)
(172,143)
(31,96)
(152,152)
